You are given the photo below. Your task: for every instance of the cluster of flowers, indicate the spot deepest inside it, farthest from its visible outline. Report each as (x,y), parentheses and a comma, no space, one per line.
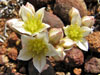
(38,42)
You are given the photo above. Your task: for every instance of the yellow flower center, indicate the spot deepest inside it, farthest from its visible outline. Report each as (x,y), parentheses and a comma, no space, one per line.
(33,24)
(74,32)
(38,47)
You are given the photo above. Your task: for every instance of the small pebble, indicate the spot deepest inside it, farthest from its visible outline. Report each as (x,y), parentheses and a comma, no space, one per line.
(77,71)
(3,59)
(13,71)
(68,73)
(22,70)
(12,53)
(2,49)
(60,73)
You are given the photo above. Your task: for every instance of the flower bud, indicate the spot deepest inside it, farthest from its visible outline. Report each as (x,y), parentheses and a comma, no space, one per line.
(66,43)
(30,6)
(73,12)
(88,21)
(61,54)
(74,16)
(55,34)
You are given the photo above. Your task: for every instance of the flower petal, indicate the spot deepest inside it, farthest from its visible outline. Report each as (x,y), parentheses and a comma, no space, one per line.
(61,54)
(51,51)
(76,20)
(39,64)
(24,55)
(40,13)
(43,35)
(75,16)
(87,30)
(83,45)
(65,28)
(25,12)
(66,42)
(45,26)
(16,25)
(25,40)
(31,7)
(73,12)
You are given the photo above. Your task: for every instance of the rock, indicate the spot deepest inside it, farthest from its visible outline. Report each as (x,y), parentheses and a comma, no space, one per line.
(13,70)
(2,23)
(32,70)
(12,53)
(89,1)
(40,3)
(2,49)
(9,8)
(3,59)
(13,36)
(61,8)
(1,73)
(94,41)
(60,73)
(68,73)
(18,74)
(52,20)
(12,39)
(23,70)
(22,64)
(92,65)
(74,57)
(10,65)
(77,71)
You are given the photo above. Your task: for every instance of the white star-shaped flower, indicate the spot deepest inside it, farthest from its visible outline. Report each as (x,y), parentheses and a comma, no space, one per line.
(38,48)
(30,22)
(76,32)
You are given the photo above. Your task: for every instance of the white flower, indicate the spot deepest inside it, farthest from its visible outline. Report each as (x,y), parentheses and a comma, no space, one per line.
(38,48)
(76,32)
(31,22)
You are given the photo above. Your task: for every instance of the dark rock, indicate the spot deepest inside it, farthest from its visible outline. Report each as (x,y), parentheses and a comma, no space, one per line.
(90,1)
(74,57)
(12,39)
(62,8)
(60,66)
(92,65)
(40,3)
(52,20)
(33,71)
(22,70)
(94,41)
